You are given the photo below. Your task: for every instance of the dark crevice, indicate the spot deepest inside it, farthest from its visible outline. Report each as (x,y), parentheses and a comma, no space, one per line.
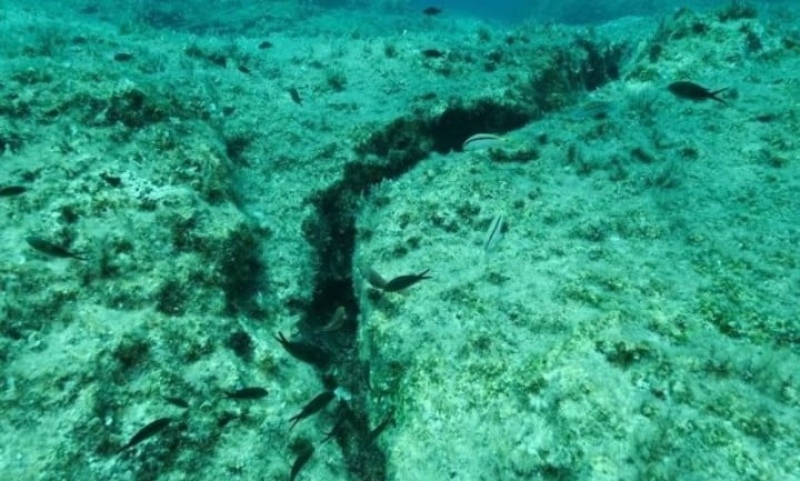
(331,231)
(459,122)
(602,64)
(388,154)
(583,66)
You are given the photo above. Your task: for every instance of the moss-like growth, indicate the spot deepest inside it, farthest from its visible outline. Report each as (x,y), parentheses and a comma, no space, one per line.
(737,10)
(135,109)
(242,269)
(172,297)
(586,65)
(235,146)
(624,354)
(390,50)
(131,351)
(520,155)
(241,344)
(336,80)
(32,76)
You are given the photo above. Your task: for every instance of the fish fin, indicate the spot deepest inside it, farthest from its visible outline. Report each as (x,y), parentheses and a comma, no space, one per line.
(715,95)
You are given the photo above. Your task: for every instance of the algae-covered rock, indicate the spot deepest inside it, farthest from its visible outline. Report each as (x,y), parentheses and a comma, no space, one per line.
(594,337)
(264,210)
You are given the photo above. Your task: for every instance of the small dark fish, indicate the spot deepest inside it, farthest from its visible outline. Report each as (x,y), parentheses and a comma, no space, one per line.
(51,249)
(111,180)
(404,282)
(432,11)
(265,45)
(295,96)
(373,435)
(244,69)
(176,401)
(432,53)
(123,57)
(147,432)
(12,190)
(302,458)
(247,393)
(305,352)
(691,91)
(315,405)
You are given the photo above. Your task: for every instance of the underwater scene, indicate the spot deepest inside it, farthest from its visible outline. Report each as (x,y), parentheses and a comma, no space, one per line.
(399,240)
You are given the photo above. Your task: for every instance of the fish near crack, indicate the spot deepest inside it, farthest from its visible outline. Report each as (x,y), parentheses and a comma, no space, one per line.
(305,351)
(395,284)
(312,407)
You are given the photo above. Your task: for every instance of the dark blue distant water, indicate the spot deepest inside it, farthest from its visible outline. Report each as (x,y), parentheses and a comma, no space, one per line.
(569,11)
(504,10)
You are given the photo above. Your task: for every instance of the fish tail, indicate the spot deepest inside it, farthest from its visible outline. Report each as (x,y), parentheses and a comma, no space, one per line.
(714,95)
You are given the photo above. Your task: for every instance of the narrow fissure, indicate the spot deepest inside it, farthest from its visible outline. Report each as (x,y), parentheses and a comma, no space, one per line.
(331,231)
(388,154)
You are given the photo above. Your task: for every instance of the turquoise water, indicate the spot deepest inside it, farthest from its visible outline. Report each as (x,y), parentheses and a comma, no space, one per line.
(245,240)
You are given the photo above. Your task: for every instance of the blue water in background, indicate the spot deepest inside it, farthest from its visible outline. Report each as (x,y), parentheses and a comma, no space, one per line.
(571,11)
(580,11)
(502,10)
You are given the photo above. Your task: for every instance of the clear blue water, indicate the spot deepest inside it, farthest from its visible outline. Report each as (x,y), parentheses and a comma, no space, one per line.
(569,11)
